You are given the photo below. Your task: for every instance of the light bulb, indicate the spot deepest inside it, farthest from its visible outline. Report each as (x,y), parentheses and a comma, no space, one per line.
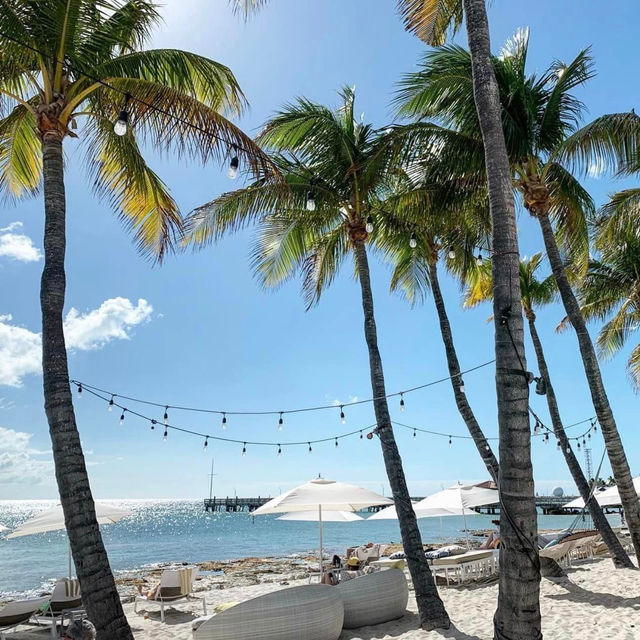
(369,225)
(233,168)
(164,437)
(309,447)
(568,449)
(120,126)
(79,391)
(462,388)
(279,450)
(413,243)
(166,416)
(342,416)
(244,449)
(361,435)
(401,402)
(311,201)
(452,253)
(153,424)
(110,407)
(206,444)
(450,441)
(414,433)
(224,420)
(336,442)
(280,422)
(122,417)
(479,259)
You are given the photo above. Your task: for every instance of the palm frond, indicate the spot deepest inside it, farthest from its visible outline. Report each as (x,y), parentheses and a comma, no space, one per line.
(431,20)
(247,8)
(633,367)
(123,178)
(20,154)
(615,333)
(618,218)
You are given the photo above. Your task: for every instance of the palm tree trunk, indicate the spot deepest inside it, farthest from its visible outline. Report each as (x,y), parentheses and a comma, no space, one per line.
(430,606)
(99,594)
(612,440)
(462,403)
(518,613)
(618,554)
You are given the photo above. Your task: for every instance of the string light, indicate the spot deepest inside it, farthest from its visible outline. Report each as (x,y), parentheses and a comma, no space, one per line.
(452,253)
(166,433)
(234,164)
(279,450)
(414,433)
(450,441)
(578,445)
(80,390)
(479,259)
(311,201)
(244,448)
(166,416)
(413,242)
(568,449)
(401,402)
(224,420)
(360,434)
(309,447)
(343,420)
(536,429)
(206,444)
(122,417)
(336,442)
(369,225)
(153,424)
(121,124)
(110,405)
(462,389)
(280,422)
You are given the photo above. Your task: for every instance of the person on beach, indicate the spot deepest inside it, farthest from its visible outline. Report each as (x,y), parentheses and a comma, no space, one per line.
(149,593)
(493,539)
(80,630)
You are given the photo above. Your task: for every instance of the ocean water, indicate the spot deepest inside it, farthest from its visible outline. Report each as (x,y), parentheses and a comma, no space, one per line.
(181,531)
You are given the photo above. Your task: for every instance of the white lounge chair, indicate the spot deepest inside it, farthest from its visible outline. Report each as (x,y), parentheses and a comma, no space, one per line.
(472,564)
(310,612)
(368,554)
(560,552)
(65,602)
(19,612)
(176,586)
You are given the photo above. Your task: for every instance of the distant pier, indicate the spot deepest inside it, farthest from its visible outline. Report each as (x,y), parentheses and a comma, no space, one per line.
(233,504)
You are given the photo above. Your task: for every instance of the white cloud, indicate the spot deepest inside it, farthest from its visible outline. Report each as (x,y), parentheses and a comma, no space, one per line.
(20,349)
(18,463)
(17,246)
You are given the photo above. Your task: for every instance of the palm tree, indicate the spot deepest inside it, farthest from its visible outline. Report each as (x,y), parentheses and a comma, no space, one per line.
(518,613)
(337,171)
(82,61)
(539,114)
(420,222)
(537,292)
(611,289)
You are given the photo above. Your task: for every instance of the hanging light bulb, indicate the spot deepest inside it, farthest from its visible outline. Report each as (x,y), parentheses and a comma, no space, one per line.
(336,442)
(342,416)
(309,447)
(166,433)
(546,437)
(244,448)
(369,225)
(413,242)
(401,402)
(233,165)
(153,424)
(360,434)
(452,253)
(224,420)
(584,442)
(206,444)
(578,444)
(110,407)
(280,422)
(536,428)
(279,450)
(311,201)
(479,259)
(462,385)
(80,390)
(121,124)
(589,436)
(568,449)
(450,441)
(166,416)
(122,417)
(414,432)
(558,444)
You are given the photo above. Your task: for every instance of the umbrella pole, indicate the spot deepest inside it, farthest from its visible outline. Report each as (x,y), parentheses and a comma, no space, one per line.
(70,571)
(466,530)
(320,534)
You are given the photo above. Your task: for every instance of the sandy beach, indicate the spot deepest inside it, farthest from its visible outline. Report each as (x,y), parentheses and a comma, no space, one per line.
(601,602)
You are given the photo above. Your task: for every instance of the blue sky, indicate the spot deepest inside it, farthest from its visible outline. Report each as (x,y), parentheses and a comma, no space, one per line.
(198,331)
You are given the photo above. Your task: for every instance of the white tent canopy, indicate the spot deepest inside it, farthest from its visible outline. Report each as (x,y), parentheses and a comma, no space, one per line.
(609,497)
(53,520)
(327,516)
(322,495)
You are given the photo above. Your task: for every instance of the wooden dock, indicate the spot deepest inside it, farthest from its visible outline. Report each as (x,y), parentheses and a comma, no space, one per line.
(233,504)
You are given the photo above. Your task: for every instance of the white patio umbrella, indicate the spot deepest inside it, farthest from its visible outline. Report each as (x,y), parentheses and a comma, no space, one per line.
(53,520)
(322,495)
(457,500)
(327,516)
(605,497)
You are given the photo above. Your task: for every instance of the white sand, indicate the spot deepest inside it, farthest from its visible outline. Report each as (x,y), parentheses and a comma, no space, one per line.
(594,602)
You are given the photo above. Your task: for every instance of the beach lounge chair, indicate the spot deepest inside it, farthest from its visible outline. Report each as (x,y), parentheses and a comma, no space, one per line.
(465,566)
(368,554)
(560,552)
(309,612)
(373,599)
(65,602)
(19,612)
(176,586)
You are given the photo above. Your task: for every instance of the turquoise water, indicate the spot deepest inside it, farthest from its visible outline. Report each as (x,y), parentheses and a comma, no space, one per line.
(181,531)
